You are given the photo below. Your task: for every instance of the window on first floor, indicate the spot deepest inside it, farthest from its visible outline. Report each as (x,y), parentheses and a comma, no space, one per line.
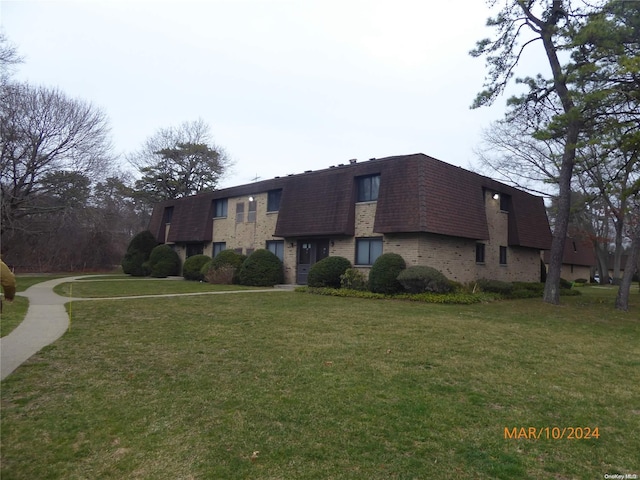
(503,255)
(480,247)
(220,208)
(194,249)
(368,250)
(218,247)
(277,248)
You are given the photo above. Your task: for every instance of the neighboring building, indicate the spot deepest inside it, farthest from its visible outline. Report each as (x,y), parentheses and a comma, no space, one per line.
(466,225)
(578,259)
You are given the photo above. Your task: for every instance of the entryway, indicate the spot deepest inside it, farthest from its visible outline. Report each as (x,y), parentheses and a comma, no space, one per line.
(309,252)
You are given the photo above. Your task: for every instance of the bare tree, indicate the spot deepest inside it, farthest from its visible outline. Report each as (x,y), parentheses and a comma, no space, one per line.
(44,132)
(9,58)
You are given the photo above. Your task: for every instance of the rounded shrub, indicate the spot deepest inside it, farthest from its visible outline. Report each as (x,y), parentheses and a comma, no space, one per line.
(327,272)
(383,277)
(163,261)
(137,254)
(261,269)
(228,257)
(191,270)
(421,279)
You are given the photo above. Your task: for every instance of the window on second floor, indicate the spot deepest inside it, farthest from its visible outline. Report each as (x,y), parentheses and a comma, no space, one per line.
(368,188)
(504,202)
(168,214)
(273,200)
(480,247)
(220,208)
(239,212)
(503,255)
(251,215)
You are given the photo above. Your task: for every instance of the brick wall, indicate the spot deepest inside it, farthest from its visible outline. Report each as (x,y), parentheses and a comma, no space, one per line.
(453,256)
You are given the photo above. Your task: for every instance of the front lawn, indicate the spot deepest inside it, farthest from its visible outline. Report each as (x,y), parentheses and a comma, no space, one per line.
(298,386)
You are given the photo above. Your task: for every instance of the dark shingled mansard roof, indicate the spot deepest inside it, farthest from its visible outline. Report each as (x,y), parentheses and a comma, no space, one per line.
(577,251)
(417,194)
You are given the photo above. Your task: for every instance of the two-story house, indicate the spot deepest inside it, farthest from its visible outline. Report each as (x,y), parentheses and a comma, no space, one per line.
(466,225)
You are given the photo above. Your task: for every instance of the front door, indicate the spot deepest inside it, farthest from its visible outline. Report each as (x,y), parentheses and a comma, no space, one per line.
(309,252)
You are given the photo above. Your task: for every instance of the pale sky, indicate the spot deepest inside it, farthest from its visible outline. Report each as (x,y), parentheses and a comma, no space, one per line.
(285,85)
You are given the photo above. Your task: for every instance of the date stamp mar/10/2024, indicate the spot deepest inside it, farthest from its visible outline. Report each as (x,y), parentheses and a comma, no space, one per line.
(551,433)
(563,433)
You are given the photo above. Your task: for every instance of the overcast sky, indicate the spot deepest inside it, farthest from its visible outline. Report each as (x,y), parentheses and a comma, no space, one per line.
(286,86)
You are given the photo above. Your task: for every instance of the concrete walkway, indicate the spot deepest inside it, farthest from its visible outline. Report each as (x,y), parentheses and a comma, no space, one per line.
(47,320)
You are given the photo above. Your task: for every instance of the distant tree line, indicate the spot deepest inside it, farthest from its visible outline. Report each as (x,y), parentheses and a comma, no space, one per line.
(67,203)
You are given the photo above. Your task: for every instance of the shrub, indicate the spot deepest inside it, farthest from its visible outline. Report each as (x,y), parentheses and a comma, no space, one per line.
(228,257)
(224,268)
(223,275)
(138,253)
(353,279)
(421,279)
(205,269)
(495,286)
(261,269)
(566,284)
(383,277)
(163,261)
(582,280)
(327,272)
(191,270)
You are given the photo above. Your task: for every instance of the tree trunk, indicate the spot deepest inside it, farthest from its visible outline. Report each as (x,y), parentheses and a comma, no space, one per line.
(552,285)
(622,300)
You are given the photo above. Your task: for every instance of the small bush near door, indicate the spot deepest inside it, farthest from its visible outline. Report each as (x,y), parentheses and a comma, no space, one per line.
(327,272)
(261,269)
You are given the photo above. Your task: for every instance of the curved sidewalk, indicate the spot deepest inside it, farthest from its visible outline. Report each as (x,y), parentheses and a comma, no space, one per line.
(47,320)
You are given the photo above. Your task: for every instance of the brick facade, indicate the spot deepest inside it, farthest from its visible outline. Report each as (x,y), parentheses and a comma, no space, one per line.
(430,231)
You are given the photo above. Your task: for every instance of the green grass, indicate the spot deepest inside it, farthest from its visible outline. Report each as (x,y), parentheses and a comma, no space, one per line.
(107,287)
(325,387)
